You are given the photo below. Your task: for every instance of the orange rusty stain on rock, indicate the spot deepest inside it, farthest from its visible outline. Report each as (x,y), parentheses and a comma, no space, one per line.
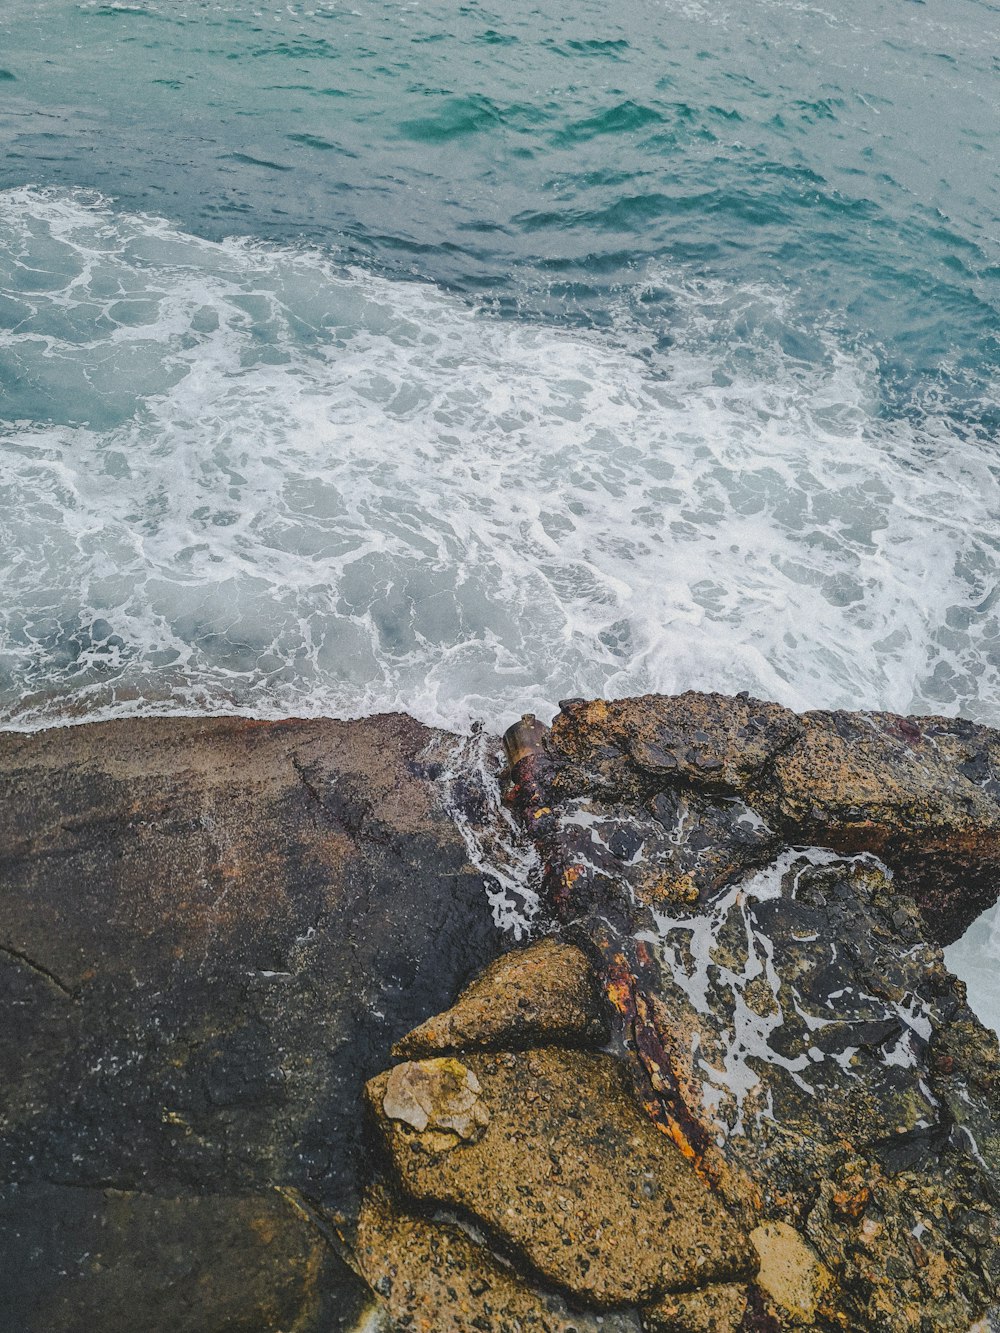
(852,1203)
(680,1124)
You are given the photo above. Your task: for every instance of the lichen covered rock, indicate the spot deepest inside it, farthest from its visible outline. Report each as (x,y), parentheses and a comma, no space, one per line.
(791,1273)
(570,1175)
(791,1022)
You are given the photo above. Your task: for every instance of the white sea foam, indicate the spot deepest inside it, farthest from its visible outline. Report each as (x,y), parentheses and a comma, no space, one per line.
(241,476)
(244,478)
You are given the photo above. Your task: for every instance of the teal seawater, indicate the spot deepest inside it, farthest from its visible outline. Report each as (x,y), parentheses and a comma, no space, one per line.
(461,358)
(542,156)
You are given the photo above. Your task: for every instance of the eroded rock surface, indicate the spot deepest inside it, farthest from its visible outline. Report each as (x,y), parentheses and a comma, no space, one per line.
(719,1308)
(530,997)
(787,1014)
(921,793)
(89,1260)
(211,932)
(571,1175)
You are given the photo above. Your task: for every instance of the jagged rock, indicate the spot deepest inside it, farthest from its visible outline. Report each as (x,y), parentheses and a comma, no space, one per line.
(800,1021)
(441,1099)
(628,746)
(572,1176)
(791,1273)
(719,1308)
(676,849)
(543,994)
(922,793)
(430,1277)
(793,1026)
(108,1261)
(211,932)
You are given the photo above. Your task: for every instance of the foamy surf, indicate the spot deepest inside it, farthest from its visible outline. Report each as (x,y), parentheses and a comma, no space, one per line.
(245,477)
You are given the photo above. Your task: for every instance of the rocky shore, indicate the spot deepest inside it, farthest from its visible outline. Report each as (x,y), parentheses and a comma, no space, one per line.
(270,1065)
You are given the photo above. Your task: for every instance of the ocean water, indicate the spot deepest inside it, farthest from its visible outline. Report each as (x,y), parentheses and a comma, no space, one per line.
(461,358)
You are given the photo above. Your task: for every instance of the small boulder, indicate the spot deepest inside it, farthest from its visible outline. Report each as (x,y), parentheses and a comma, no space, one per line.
(545,994)
(439,1098)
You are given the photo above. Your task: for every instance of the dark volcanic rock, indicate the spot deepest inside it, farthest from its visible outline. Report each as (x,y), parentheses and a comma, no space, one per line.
(921,793)
(211,932)
(89,1260)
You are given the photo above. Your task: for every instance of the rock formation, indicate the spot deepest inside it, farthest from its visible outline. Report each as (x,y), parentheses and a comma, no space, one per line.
(268,1065)
(211,932)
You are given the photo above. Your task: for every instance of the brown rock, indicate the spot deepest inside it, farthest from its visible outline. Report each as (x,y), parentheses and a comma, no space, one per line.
(431,1278)
(545,994)
(716,1309)
(709,741)
(797,1030)
(573,1177)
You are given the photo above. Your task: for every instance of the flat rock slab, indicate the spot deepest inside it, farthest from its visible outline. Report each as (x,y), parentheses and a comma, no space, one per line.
(211,933)
(431,1278)
(571,1175)
(101,1260)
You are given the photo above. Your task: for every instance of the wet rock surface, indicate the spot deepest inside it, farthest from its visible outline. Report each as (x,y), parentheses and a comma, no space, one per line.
(790,1021)
(534,996)
(211,932)
(265,1069)
(572,1176)
(921,793)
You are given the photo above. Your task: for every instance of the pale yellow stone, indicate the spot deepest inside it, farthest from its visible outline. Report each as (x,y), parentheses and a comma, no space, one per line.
(439,1097)
(791,1272)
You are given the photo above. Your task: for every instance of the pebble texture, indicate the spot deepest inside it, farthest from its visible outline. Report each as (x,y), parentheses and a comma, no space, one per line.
(572,1176)
(719,1308)
(431,1278)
